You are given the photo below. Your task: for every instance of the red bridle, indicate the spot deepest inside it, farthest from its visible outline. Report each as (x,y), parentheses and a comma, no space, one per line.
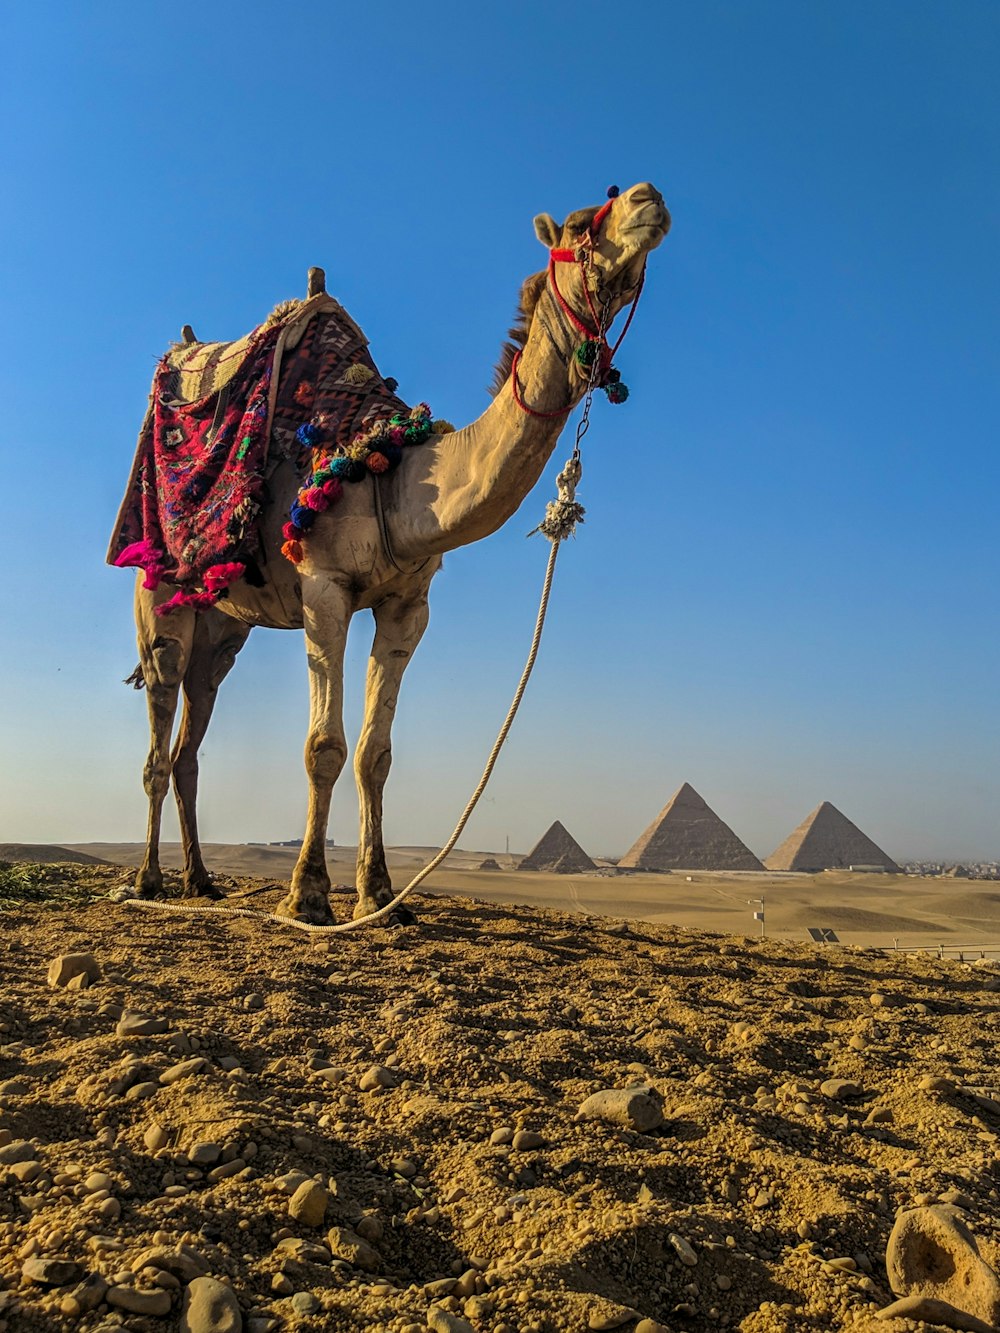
(607,377)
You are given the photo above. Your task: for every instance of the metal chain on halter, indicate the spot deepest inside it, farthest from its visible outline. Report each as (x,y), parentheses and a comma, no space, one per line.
(565,512)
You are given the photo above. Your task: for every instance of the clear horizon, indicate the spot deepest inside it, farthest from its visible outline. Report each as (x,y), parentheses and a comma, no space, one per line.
(785,588)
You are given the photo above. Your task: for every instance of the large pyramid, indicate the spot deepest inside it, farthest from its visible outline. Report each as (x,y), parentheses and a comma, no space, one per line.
(557,851)
(688,835)
(827,840)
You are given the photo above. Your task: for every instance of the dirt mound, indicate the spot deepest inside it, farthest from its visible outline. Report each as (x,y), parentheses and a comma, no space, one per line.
(351,1130)
(43,854)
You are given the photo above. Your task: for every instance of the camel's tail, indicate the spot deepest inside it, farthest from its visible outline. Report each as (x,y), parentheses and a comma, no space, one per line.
(137,680)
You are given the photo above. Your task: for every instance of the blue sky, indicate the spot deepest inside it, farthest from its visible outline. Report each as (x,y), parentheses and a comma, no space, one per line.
(785,590)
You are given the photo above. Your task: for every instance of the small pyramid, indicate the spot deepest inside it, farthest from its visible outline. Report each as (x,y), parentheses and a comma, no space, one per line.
(687,834)
(827,840)
(557,851)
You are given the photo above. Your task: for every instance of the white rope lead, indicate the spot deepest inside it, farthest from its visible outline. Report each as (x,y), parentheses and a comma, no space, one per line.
(343,927)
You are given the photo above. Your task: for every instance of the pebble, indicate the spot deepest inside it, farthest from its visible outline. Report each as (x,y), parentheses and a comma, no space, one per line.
(682,1249)
(609,1316)
(51,1272)
(309,1203)
(63,969)
(379,1076)
(184,1262)
(443,1321)
(18,1150)
(841,1089)
(155,1302)
(226,1170)
(934,1083)
(502,1135)
(253,1001)
(210,1307)
(204,1154)
(140,1090)
(305,1303)
(347,1245)
(155,1138)
(183,1070)
(134,1023)
(526,1139)
(639,1108)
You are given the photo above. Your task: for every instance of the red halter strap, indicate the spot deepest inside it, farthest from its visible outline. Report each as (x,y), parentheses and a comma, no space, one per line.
(595,334)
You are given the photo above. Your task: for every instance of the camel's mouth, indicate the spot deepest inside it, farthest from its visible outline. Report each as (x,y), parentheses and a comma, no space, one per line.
(648,225)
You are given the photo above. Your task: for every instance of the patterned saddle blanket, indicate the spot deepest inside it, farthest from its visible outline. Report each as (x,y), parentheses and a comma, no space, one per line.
(221,417)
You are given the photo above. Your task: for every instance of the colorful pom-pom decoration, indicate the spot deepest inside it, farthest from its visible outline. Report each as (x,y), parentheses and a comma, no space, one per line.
(376,450)
(613,192)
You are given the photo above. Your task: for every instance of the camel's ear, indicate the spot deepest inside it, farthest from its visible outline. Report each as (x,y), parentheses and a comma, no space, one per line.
(547,231)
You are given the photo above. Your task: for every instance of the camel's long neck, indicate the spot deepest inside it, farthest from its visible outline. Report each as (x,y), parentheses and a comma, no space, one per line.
(464,485)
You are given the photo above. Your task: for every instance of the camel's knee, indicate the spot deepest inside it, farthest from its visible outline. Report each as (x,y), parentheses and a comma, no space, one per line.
(156,775)
(372,764)
(326,754)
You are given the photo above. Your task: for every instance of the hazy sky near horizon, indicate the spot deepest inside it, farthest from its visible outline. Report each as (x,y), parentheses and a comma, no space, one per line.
(785,590)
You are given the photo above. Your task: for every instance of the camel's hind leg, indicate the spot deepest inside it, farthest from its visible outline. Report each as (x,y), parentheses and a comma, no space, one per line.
(217,639)
(164,651)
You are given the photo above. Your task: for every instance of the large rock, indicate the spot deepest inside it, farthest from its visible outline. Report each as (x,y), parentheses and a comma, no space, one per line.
(210,1307)
(347,1245)
(63,969)
(933,1255)
(639,1108)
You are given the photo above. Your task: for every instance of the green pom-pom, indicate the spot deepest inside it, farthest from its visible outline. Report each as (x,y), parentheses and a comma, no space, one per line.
(587,352)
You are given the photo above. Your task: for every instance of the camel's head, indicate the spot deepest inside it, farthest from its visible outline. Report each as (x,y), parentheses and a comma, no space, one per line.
(613,239)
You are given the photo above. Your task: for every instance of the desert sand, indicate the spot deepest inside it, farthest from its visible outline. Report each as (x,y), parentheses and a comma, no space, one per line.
(382,1130)
(862,909)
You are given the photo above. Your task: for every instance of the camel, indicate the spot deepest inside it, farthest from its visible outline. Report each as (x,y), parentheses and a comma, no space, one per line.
(457,488)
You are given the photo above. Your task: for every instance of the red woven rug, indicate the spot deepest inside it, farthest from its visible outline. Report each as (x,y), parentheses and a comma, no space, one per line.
(221,417)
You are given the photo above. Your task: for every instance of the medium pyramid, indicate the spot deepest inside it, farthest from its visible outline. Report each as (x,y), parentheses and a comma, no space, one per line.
(827,840)
(557,851)
(687,834)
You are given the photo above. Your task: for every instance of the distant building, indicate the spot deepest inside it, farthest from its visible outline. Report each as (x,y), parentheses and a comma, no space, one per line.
(827,840)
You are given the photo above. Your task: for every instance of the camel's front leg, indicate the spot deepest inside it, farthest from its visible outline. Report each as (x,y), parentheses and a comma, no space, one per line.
(400,621)
(327,613)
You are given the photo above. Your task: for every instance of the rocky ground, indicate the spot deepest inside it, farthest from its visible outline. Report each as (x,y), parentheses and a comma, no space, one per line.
(233,1125)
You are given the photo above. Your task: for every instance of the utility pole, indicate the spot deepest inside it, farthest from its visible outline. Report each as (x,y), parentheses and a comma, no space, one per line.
(759,916)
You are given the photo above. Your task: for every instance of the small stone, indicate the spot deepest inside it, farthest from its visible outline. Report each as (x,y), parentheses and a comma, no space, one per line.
(98,1180)
(305,1303)
(141,1090)
(51,1272)
(18,1150)
(650,1326)
(63,969)
(841,1089)
(226,1170)
(526,1139)
(379,1076)
(682,1249)
(210,1307)
(443,1321)
(184,1262)
(935,1083)
(155,1302)
(347,1245)
(205,1154)
(253,1001)
(155,1138)
(608,1316)
(502,1135)
(309,1203)
(134,1023)
(183,1070)
(639,1108)
(15,1087)
(957,1200)
(89,1294)
(723,1281)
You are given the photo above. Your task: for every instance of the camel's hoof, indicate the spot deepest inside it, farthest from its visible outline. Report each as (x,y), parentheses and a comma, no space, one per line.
(313,909)
(204,891)
(402,916)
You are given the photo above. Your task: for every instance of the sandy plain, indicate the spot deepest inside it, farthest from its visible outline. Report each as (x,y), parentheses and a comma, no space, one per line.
(879,910)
